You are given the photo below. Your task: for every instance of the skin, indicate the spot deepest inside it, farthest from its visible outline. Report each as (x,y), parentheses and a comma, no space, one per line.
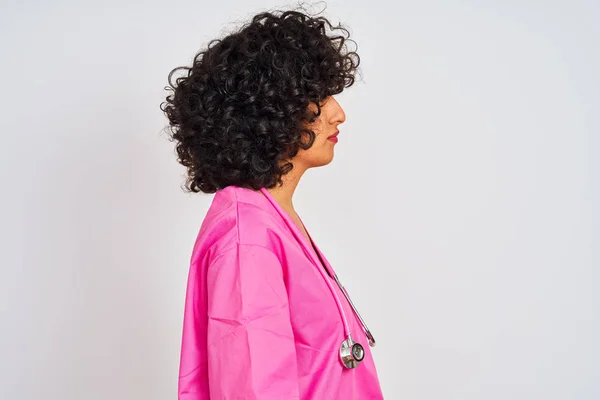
(319,154)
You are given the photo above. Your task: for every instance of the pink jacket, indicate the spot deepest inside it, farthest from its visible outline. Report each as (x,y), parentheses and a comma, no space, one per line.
(260,322)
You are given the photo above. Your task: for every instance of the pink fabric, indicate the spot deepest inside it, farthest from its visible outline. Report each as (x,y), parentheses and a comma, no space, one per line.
(260,322)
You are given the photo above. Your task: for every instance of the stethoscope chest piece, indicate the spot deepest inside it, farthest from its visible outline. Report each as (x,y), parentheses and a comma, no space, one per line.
(351,353)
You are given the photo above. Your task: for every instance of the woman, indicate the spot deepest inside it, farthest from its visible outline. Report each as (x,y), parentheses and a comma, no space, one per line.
(264,315)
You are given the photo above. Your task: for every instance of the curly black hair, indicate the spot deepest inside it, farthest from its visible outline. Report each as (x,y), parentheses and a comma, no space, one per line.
(240,113)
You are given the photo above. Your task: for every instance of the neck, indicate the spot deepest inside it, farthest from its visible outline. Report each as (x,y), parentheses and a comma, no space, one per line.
(284,194)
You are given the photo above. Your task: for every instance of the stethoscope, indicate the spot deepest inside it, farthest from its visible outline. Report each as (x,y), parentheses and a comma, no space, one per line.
(351,352)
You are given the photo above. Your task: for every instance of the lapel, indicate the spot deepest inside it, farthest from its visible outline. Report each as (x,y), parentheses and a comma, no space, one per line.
(319,252)
(311,250)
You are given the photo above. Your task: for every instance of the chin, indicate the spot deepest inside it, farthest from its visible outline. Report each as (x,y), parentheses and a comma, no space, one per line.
(325,161)
(319,160)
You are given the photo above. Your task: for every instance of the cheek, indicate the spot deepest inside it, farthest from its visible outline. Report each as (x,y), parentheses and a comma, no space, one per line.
(321,151)
(320,137)
(319,141)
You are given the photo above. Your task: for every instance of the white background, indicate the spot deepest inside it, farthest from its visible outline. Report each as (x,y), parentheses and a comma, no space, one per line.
(460,209)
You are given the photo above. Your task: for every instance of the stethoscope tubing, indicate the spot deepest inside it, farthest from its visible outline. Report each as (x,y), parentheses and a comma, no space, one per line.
(300,238)
(370,337)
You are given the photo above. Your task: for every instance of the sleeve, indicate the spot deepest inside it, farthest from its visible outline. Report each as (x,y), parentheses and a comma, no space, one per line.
(250,342)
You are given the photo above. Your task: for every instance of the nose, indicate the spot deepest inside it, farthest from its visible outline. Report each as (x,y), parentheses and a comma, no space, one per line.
(338,115)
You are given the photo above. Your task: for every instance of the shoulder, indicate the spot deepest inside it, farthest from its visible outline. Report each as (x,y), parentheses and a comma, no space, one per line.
(235,220)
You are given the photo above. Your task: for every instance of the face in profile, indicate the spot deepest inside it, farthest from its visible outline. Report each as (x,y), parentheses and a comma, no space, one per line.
(325,125)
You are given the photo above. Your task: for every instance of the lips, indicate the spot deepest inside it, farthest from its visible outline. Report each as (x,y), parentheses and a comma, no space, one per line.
(335,134)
